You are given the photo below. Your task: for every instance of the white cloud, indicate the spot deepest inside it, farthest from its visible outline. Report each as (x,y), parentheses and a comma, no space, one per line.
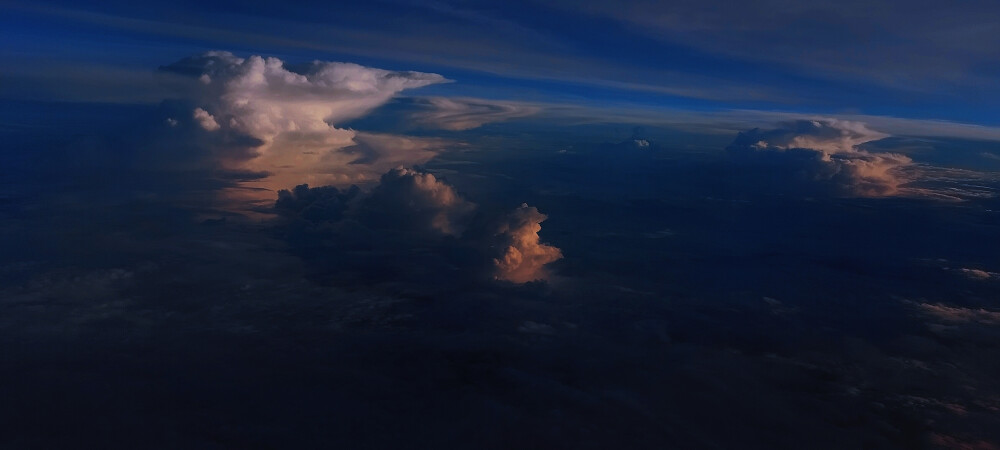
(829,136)
(293,116)
(205,120)
(827,150)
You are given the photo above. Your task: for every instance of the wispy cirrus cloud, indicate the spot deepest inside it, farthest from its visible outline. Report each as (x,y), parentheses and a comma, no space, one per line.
(461,42)
(458,114)
(911,44)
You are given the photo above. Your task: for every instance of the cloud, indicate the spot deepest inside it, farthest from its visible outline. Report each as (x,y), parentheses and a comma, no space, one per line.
(869,175)
(456,114)
(417,200)
(204,119)
(263,97)
(979,274)
(523,256)
(828,136)
(405,233)
(289,115)
(529,327)
(727,121)
(826,152)
(325,203)
(959,314)
(341,158)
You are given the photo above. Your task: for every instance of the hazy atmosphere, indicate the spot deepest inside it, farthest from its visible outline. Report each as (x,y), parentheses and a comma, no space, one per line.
(525,224)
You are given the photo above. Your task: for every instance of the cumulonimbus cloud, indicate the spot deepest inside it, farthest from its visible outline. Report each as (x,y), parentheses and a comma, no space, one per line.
(825,151)
(829,136)
(282,122)
(290,115)
(523,257)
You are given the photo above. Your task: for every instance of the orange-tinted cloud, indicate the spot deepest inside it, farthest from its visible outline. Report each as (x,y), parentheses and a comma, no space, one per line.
(523,257)
(957,314)
(826,151)
(291,117)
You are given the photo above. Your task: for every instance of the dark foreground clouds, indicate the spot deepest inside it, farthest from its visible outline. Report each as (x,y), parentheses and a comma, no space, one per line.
(802,289)
(677,310)
(413,223)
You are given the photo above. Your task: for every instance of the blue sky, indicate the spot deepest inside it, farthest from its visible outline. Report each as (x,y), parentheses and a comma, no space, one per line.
(901,59)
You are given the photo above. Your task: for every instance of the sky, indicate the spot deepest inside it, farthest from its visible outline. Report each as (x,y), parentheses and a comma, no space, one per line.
(900,59)
(523,224)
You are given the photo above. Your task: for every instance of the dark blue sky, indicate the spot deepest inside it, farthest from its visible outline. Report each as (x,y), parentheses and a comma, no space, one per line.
(894,58)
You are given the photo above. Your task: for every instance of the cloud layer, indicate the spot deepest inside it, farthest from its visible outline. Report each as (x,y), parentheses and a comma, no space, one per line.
(456,114)
(824,152)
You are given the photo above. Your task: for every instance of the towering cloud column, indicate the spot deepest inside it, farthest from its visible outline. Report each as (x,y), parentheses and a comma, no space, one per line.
(524,257)
(257,114)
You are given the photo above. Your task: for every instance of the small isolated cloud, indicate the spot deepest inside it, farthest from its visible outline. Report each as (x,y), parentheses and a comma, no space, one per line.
(824,151)
(529,327)
(412,199)
(523,256)
(979,274)
(205,120)
(458,114)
